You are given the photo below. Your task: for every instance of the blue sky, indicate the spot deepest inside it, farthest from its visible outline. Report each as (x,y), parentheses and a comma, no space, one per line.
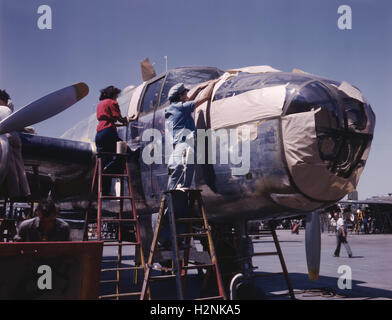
(102,42)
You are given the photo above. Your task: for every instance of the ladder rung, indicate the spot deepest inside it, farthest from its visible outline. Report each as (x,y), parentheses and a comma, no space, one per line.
(130,294)
(119,175)
(210,298)
(163,277)
(120,244)
(117,220)
(115,197)
(265,254)
(109,281)
(121,269)
(186,235)
(189,219)
(109,261)
(269,274)
(198,266)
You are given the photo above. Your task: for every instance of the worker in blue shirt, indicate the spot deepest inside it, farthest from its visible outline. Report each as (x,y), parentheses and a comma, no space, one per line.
(181,130)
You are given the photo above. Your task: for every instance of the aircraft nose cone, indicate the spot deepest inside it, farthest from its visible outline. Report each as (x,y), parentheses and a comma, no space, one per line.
(327,132)
(322,178)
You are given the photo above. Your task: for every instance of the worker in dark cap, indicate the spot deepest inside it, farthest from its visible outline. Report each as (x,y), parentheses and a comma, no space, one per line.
(108,113)
(181,130)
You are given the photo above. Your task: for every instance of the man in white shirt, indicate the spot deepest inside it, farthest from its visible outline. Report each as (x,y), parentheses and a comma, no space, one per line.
(341,236)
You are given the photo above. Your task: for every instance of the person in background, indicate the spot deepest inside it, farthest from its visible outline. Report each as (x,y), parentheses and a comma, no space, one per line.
(341,236)
(108,113)
(15,184)
(45,226)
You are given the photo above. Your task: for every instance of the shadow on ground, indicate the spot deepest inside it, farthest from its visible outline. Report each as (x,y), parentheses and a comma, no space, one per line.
(274,285)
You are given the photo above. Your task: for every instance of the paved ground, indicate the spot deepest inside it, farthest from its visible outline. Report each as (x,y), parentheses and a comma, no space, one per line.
(371,265)
(371,269)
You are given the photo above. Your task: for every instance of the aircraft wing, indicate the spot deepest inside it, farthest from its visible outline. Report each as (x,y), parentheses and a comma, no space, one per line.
(375,201)
(58,158)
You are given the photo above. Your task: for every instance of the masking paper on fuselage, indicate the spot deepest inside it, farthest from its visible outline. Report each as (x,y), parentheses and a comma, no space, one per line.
(309,172)
(248,106)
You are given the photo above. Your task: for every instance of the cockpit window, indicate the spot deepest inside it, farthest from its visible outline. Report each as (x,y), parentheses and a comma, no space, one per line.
(150,100)
(246,81)
(240,84)
(315,96)
(355,113)
(125,98)
(190,77)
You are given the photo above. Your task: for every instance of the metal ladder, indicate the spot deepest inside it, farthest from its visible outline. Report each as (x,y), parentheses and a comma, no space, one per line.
(278,252)
(198,227)
(139,263)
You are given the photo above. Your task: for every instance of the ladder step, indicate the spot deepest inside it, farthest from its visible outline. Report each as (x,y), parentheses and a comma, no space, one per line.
(188,235)
(115,175)
(265,254)
(210,298)
(110,261)
(115,197)
(190,220)
(118,220)
(109,281)
(162,277)
(130,294)
(120,244)
(121,269)
(198,266)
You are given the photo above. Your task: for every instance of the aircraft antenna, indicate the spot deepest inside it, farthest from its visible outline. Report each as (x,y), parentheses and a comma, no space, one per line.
(165,57)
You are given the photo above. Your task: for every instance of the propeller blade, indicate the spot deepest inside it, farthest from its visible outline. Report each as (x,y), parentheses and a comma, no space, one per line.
(313,244)
(44,108)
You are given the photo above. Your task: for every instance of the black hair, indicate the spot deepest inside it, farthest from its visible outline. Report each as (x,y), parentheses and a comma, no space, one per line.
(4,96)
(177,97)
(47,208)
(109,93)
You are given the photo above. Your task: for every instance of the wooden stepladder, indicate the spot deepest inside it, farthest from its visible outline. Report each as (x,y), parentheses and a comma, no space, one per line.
(197,228)
(272,233)
(117,226)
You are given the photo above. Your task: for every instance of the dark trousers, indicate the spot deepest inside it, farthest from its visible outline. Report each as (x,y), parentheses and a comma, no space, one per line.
(106,141)
(339,240)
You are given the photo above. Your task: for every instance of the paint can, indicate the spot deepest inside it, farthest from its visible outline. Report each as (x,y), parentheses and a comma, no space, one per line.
(121,147)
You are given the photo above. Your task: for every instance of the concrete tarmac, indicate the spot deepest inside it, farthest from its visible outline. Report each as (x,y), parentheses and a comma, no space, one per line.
(370,267)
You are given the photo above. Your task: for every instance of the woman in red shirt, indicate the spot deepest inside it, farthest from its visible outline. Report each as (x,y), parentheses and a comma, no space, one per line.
(108,112)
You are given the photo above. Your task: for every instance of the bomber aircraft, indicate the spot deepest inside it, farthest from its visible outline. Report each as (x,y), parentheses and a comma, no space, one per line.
(308,139)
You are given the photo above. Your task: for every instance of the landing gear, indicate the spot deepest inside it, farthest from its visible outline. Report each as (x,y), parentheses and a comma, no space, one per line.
(235,250)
